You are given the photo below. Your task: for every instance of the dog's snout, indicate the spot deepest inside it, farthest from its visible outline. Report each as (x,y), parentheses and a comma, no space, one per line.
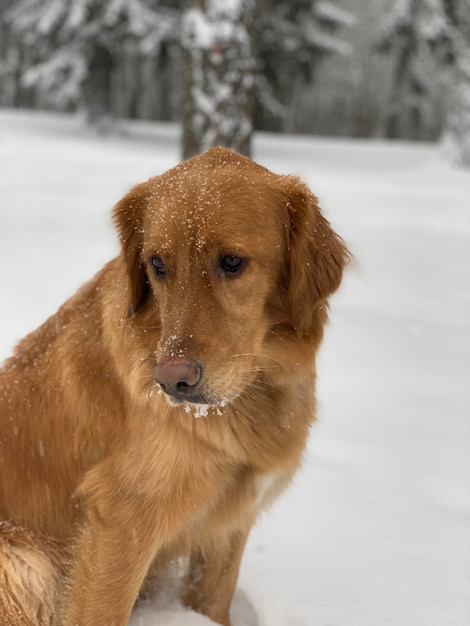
(178,376)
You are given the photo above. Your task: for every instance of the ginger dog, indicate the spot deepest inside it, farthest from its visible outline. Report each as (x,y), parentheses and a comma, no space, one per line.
(169,401)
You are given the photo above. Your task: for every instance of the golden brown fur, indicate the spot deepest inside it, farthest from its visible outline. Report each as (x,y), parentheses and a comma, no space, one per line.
(103,478)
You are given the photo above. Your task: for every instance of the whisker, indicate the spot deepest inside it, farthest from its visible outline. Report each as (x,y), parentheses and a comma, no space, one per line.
(256,355)
(280,337)
(256,383)
(286,319)
(150,357)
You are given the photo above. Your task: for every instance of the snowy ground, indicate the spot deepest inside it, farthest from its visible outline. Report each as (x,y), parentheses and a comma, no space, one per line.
(375,530)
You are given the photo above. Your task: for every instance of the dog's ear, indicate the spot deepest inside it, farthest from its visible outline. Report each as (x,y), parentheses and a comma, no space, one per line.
(316,259)
(128,218)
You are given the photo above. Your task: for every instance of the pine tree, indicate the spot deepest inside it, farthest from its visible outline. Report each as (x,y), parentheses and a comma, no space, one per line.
(456,55)
(297,35)
(71,47)
(407,29)
(442,27)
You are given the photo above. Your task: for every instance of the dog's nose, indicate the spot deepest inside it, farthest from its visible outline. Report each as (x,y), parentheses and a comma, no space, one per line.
(177,376)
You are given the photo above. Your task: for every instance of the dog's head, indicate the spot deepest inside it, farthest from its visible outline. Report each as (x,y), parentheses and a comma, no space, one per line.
(233,264)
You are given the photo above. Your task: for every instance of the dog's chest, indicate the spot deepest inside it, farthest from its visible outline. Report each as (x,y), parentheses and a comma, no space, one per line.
(267,488)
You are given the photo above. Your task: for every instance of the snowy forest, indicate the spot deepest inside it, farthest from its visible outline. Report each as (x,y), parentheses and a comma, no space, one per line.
(397,69)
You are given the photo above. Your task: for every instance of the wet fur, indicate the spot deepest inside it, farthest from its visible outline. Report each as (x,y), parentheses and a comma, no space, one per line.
(102,481)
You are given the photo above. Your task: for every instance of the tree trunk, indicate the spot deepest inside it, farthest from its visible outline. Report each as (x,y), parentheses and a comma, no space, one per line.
(97,88)
(220,58)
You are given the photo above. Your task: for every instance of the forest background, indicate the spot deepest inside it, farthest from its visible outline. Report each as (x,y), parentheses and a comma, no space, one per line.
(397,69)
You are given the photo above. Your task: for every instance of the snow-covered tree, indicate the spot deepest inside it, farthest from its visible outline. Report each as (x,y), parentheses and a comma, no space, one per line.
(456,135)
(296,36)
(237,54)
(442,29)
(72,45)
(407,31)
(219,39)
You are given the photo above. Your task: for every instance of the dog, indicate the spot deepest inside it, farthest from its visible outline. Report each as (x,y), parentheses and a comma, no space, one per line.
(168,401)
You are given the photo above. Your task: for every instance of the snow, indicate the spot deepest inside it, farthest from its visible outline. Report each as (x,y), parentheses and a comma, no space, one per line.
(324,41)
(200,410)
(51,17)
(375,529)
(328,12)
(218,23)
(67,67)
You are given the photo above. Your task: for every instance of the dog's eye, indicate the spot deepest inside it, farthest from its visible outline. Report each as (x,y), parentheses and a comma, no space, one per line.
(231,264)
(158,266)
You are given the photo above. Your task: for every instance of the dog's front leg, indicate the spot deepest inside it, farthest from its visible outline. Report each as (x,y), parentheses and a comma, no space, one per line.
(213,576)
(126,525)
(111,561)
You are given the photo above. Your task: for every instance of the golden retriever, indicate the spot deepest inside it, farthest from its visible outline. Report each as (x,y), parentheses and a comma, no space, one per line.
(167,402)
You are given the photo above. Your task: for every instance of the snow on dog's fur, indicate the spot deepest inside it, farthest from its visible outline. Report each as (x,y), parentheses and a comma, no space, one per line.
(217,302)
